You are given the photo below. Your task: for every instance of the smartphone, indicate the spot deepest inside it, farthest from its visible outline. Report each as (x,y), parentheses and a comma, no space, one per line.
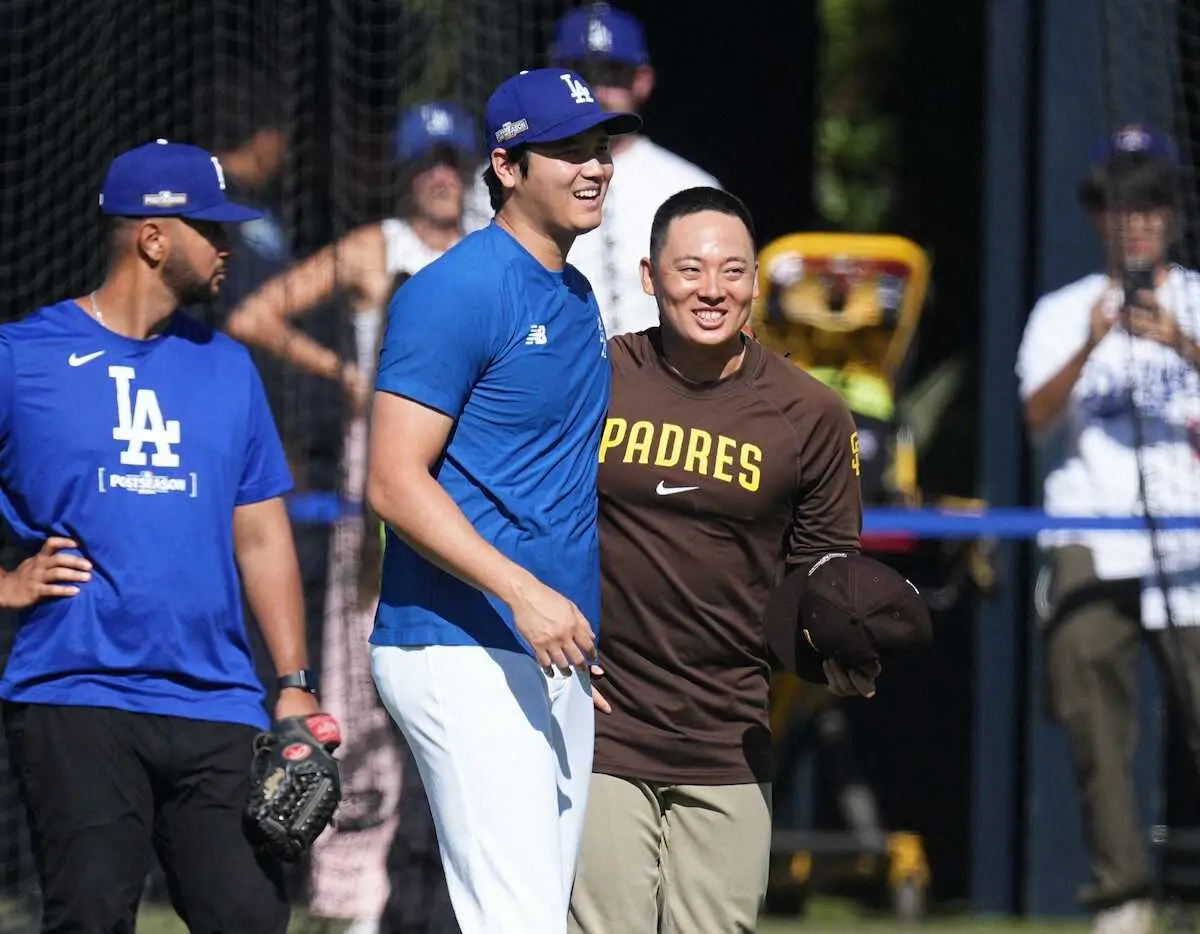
(1138,280)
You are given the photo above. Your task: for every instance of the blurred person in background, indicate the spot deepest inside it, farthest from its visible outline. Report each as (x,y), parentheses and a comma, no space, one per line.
(242,123)
(608,48)
(1113,360)
(434,145)
(241,119)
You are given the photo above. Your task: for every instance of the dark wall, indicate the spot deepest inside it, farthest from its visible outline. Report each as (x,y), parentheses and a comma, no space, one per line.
(735,95)
(916,736)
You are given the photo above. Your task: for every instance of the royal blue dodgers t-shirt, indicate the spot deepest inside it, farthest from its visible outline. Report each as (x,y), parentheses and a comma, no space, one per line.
(516,355)
(140,451)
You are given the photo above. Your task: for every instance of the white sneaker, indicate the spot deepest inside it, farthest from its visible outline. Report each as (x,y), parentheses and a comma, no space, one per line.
(1133,917)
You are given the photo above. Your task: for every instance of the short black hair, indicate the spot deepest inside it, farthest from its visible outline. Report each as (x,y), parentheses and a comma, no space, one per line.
(694,201)
(116,235)
(497,193)
(1131,181)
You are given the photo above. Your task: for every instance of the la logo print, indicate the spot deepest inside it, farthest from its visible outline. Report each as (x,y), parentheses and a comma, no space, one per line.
(140,422)
(580,92)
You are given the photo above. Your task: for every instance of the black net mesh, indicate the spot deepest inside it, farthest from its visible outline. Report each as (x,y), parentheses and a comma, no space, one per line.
(1150,75)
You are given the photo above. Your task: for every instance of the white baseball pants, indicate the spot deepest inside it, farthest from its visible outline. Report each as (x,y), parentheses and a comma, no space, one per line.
(505,752)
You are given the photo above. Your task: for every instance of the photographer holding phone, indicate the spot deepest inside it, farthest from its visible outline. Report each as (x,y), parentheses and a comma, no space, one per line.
(1113,360)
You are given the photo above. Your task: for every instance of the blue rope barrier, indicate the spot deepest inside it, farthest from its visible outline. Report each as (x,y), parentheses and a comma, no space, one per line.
(945,524)
(1007,523)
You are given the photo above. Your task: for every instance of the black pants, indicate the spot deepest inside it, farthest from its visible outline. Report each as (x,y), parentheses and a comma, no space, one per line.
(104,788)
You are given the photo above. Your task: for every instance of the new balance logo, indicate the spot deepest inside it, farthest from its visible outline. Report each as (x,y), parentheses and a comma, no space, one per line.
(537,334)
(140,422)
(580,92)
(80,359)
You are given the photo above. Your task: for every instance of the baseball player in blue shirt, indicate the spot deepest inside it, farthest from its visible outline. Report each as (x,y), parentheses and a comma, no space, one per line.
(492,387)
(141,469)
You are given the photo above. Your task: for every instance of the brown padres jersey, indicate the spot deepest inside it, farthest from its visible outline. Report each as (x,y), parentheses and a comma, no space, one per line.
(707,495)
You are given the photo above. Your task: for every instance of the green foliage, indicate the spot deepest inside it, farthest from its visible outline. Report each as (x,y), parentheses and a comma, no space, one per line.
(856,137)
(444,34)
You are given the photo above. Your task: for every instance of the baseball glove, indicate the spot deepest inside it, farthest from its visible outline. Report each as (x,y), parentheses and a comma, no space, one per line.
(294,784)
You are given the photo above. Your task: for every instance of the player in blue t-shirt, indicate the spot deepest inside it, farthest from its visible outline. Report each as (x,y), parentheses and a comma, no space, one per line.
(491,393)
(140,467)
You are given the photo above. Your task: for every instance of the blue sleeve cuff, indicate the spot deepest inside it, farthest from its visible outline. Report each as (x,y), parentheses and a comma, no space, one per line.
(263,490)
(430,396)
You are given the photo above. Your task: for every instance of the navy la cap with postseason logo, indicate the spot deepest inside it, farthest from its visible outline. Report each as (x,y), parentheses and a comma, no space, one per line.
(847,607)
(164,179)
(548,104)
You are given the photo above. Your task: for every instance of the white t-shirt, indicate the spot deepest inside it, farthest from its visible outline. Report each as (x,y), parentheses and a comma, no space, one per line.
(1097,472)
(644,176)
(404,251)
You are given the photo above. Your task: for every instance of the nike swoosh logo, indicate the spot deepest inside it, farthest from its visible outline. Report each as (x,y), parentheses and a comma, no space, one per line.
(76,360)
(663,490)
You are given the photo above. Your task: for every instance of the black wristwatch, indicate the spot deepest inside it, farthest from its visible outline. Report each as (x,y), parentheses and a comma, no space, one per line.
(304,679)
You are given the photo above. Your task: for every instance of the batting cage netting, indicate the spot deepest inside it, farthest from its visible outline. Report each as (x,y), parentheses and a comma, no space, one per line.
(1149,74)
(301,98)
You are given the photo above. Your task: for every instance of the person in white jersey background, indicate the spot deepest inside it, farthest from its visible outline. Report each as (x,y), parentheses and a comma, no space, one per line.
(607,46)
(1112,360)
(434,144)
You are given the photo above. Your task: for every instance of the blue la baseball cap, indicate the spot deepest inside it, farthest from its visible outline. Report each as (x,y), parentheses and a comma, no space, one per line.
(1135,138)
(438,123)
(548,104)
(597,30)
(164,179)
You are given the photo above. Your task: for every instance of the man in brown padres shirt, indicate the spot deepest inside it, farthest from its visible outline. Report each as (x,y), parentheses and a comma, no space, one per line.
(721,466)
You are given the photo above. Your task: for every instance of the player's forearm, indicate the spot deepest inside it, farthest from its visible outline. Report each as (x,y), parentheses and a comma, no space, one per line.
(270,572)
(306,354)
(263,320)
(419,510)
(272,333)
(1044,406)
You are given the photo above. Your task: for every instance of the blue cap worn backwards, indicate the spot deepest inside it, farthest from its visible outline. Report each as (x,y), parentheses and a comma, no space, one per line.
(545,105)
(598,31)
(438,123)
(163,179)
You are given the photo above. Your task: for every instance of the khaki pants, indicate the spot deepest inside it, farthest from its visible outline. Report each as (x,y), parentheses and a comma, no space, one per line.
(1092,649)
(672,859)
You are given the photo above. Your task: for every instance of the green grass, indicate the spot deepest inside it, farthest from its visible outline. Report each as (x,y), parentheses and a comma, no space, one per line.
(823,916)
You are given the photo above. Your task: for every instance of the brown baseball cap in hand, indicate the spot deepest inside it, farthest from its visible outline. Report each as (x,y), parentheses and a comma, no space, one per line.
(847,607)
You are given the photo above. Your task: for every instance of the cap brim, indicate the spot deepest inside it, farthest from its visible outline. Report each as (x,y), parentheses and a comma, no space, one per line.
(417,153)
(781,627)
(617,124)
(227,213)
